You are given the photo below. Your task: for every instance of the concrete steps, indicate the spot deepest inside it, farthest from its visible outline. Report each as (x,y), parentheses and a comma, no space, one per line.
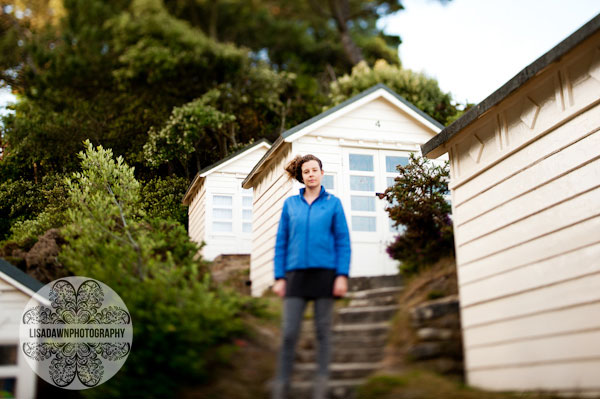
(336,389)
(359,336)
(367,314)
(343,355)
(338,371)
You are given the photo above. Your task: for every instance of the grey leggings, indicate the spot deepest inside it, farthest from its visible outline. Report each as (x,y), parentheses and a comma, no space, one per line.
(293,312)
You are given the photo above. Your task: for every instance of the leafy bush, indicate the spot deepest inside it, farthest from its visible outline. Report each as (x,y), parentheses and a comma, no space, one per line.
(182,323)
(54,197)
(421,90)
(162,196)
(22,201)
(417,202)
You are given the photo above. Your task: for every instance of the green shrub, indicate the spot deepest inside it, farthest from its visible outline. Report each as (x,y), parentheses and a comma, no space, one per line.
(182,324)
(28,209)
(162,196)
(417,202)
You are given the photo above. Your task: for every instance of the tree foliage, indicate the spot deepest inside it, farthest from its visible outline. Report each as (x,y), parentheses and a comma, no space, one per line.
(112,71)
(302,36)
(415,87)
(23,200)
(162,197)
(182,323)
(417,202)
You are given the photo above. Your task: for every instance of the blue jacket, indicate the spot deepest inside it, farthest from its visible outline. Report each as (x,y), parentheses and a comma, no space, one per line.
(314,235)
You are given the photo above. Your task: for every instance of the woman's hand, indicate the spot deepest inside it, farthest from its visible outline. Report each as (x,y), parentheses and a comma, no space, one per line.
(279,287)
(340,286)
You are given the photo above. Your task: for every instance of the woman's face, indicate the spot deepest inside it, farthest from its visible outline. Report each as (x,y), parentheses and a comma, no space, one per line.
(312,174)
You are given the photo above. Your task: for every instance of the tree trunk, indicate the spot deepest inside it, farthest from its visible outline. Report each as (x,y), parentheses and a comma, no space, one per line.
(214,17)
(284,111)
(339,11)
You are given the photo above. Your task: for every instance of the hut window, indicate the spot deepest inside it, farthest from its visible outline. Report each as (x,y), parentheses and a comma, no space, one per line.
(392,162)
(246,214)
(361,162)
(8,355)
(362,192)
(363,223)
(362,183)
(328,182)
(247,202)
(8,386)
(362,203)
(222,214)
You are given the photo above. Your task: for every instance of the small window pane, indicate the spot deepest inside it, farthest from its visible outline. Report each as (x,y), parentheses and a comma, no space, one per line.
(219,213)
(246,214)
(362,203)
(327,182)
(362,183)
(363,223)
(247,227)
(8,355)
(247,202)
(392,162)
(8,387)
(225,200)
(390,181)
(361,162)
(222,227)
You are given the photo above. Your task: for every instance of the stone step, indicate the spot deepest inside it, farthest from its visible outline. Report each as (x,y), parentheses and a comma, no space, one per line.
(343,355)
(337,371)
(336,389)
(375,292)
(366,314)
(376,301)
(366,329)
(369,334)
(366,283)
(374,341)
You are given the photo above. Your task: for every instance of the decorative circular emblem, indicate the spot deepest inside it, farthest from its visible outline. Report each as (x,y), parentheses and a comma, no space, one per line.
(76,333)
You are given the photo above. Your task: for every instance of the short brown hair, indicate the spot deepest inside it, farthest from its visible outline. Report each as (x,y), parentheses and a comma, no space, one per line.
(294,167)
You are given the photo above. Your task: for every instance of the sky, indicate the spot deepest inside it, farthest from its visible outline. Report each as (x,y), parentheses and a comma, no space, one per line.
(473,47)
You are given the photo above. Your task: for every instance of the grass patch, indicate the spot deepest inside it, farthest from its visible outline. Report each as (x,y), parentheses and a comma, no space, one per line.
(416,383)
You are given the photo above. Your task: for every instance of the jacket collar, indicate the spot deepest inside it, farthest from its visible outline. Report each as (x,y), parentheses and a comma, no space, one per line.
(321,193)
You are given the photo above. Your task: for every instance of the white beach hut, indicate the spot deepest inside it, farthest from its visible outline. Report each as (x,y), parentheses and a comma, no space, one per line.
(360,142)
(16,289)
(525,181)
(220,210)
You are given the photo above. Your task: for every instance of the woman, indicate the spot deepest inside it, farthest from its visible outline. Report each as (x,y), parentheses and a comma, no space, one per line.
(312,262)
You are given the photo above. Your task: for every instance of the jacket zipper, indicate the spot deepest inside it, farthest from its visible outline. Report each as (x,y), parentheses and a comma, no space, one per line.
(307,226)
(306,241)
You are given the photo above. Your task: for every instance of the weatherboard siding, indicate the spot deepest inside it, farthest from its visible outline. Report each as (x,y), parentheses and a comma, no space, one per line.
(526,209)
(269,195)
(12,303)
(197,216)
(244,164)
(377,120)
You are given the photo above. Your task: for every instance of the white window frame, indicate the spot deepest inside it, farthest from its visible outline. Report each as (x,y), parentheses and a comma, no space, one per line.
(364,236)
(246,193)
(383,166)
(211,217)
(383,232)
(336,184)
